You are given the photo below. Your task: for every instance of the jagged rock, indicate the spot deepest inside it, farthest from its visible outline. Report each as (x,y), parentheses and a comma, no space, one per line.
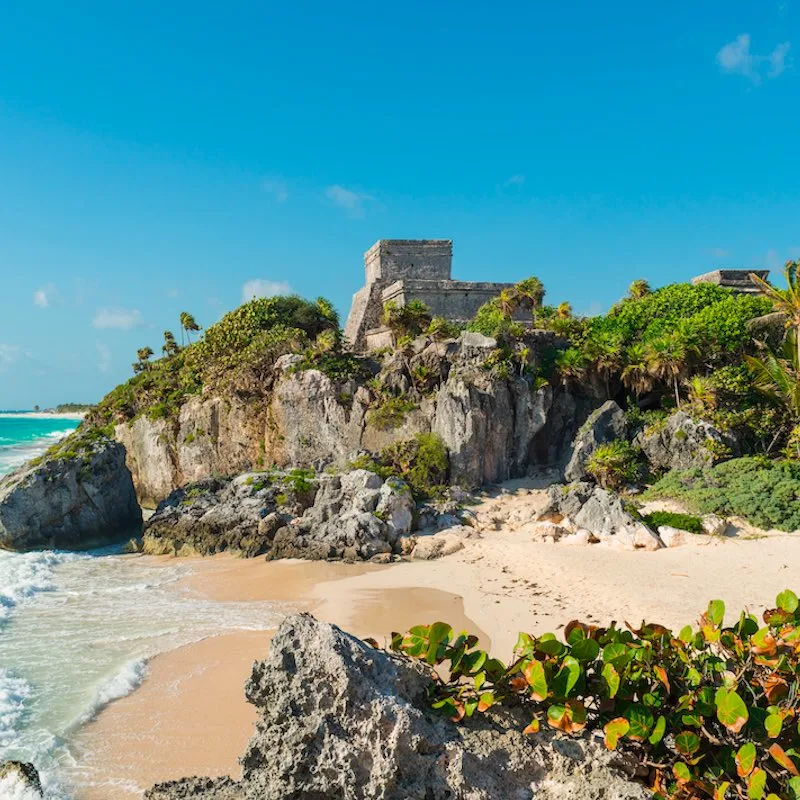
(604,425)
(444,543)
(343,721)
(682,443)
(675,537)
(18,779)
(79,500)
(602,514)
(353,516)
(714,525)
(197,788)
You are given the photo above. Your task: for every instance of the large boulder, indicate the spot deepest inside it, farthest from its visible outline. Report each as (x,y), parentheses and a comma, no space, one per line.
(19,781)
(74,499)
(604,425)
(600,512)
(682,442)
(340,720)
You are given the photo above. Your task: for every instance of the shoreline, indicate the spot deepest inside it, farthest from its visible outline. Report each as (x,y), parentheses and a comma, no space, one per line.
(75,416)
(498,585)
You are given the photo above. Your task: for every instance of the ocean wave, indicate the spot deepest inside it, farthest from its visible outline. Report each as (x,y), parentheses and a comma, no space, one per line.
(14,692)
(23,575)
(12,787)
(114,688)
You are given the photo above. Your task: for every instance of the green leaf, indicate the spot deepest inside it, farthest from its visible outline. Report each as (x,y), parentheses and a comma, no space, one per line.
(641,721)
(682,771)
(614,731)
(773,724)
(617,654)
(757,785)
(611,677)
(745,759)
(586,650)
(566,678)
(658,731)
(716,612)
(537,679)
(686,634)
(787,601)
(687,743)
(794,788)
(731,710)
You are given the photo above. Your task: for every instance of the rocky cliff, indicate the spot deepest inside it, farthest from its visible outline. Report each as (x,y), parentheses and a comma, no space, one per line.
(340,719)
(495,428)
(78,497)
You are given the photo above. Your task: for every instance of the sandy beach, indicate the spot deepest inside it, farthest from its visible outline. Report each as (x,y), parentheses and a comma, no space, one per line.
(190,715)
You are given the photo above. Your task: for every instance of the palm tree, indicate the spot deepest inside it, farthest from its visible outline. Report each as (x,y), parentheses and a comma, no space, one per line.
(327,310)
(702,393)
(188,325)
(327,342)
(785,301)
(408,320)
(571,365)
(507,302)
(669,359)
(604,352)
(636,373)
(777,375)
(638,289)
(170,347)
(564,311)
(530,293)
(143,354)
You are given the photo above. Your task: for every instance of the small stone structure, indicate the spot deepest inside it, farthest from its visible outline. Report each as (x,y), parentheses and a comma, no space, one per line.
(401,270)
(736,279)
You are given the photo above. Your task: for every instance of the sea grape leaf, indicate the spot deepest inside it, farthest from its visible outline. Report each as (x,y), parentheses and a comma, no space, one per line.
(537,679)
(731,710)
(614,731)
(787,601)
(745,759)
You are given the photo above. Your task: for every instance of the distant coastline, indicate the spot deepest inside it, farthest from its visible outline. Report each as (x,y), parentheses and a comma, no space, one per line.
(43,414)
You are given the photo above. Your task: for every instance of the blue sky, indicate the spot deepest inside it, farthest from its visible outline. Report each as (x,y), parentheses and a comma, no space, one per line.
(156,157)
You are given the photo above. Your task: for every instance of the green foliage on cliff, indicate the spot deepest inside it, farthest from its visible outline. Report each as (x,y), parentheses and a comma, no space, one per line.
(615,464)
(683,522)
(765,493)
(709,712)
(236,354)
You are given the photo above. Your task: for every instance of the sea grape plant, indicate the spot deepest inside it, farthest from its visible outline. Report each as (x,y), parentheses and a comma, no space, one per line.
(711,712)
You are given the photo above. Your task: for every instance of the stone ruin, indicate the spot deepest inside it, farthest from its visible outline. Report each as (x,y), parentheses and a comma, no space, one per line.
(402,270)
(736,279)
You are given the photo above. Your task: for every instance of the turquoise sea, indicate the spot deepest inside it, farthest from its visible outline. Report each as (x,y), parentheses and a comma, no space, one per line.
(22,437)
(77,631)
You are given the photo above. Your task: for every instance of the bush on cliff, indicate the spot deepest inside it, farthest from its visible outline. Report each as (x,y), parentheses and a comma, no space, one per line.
(765,493)
(708,713)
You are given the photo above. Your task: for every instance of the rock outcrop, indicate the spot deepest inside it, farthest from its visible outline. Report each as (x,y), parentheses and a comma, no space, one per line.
(604,425)
(19,781)
(70,500)
(683,442)
(586,506)
(495,428)
(339,719)
(353,516)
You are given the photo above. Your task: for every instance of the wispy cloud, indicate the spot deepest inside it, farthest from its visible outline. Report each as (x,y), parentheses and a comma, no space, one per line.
(103,356)
(737,58)
(119,319)
(719,253)
(277,188)
(258,287)
(353,202)
(515,180)
(9,355)
(46,296)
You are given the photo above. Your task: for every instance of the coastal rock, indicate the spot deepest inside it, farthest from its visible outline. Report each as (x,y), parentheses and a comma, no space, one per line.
(682,443)
(714,525)
(198,789)
(601,513)
(19,781)
(294,514)
(675,537)
(340,719)
(604,425)
(76,499)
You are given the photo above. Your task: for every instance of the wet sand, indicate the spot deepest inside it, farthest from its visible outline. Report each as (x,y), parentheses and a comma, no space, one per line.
(190,715)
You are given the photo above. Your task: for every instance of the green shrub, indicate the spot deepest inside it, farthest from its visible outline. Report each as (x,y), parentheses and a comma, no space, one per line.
(709,712)
(614,464)
(764,492)
(390,413)
(684,522)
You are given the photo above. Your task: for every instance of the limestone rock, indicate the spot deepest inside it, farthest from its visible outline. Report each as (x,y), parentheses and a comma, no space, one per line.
(18,779)
(604,425)
(197,789)
(602,514)
(675,537)
(683,443)
(341,720)
(441,544)
(714,525)
(81,500)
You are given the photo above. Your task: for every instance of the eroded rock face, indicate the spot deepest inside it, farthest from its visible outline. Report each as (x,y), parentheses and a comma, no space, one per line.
(354,516)
(84,500)
(19,781)
(602,514)
(683,443)
(604,425)
(339,719)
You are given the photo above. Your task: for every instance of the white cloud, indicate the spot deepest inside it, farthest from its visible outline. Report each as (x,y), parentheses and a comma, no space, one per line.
(515,180)
(264,288)
(103,356)
(46,296)
(277,188)
(719,253)
(9,354)
(119,319)
(349,200)
(737,58)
